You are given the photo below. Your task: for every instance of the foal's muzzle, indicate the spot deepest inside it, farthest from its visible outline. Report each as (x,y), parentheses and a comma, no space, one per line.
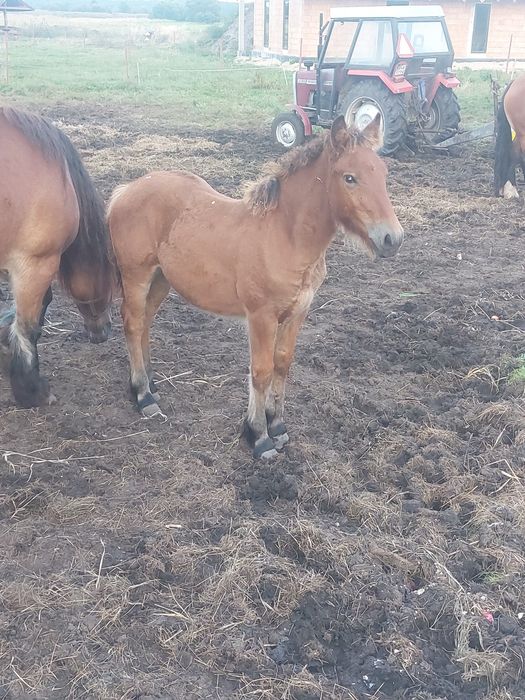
(386,240)
(98,333)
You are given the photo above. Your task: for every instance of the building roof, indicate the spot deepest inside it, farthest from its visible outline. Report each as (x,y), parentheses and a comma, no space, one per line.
(14,6)
(389,12)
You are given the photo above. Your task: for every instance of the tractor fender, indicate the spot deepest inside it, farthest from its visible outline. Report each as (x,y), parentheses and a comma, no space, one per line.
(397,87)
(450,82)
(303,117)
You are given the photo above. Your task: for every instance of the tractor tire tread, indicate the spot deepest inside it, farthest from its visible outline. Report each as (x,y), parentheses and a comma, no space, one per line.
(393,107)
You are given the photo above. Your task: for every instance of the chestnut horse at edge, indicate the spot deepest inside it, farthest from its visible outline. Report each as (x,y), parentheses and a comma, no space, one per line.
(510,139)
(52,223)
(262,257)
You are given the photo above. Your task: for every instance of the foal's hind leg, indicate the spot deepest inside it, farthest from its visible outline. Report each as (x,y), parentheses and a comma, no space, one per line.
(135,293)
(32,294)
(283,356)
(263,328)
(159,290)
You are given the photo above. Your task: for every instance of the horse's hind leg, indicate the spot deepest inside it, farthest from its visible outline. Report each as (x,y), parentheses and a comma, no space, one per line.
(283,356)
(509,189)
(158,291)
(262,328)
(32,294)
(135,294)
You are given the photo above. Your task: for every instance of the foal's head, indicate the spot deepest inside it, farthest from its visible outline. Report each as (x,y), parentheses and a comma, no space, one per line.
(357,189)
(93,299)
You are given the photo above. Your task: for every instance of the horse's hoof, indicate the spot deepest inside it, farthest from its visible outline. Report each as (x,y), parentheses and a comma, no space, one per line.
(153,390)
(152,411)
(34,394)
(264,449)
(510,192)
(269,455)
(149,408)
(279,435)
(51,399)
(280,441)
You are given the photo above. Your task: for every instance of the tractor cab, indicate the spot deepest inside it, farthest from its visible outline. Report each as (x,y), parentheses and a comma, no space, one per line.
(392,60)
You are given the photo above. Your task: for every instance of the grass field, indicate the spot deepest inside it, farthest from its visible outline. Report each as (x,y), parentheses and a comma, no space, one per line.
(63,58)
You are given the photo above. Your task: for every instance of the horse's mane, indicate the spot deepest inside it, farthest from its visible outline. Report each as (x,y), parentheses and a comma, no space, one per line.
(40,131)
(263,196)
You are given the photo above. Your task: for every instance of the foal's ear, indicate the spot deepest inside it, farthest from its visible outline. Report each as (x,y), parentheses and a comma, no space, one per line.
(374,133)
(339,136)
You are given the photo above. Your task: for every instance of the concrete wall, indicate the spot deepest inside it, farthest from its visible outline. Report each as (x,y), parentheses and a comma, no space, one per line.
(507,18)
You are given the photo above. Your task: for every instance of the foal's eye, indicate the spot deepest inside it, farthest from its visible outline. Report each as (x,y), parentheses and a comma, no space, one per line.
(350,179)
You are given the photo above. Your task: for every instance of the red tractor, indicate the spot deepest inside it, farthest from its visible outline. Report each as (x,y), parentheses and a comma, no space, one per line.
(395,60)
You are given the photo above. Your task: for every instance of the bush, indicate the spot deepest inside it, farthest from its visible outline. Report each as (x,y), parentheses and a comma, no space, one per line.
(205,11)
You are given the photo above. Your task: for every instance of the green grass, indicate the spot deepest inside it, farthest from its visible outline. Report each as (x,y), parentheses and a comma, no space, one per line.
(193,86)
(518,373)
(475,95)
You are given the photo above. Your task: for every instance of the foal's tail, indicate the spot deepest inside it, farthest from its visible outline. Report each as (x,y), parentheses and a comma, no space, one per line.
(91,250)
(503,150)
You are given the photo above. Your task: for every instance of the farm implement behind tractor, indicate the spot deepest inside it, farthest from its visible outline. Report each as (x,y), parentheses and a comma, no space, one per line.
(394,60)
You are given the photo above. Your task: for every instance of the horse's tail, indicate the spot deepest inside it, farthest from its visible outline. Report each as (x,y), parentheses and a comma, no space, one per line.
(503,149)
(115,195)
(91,249)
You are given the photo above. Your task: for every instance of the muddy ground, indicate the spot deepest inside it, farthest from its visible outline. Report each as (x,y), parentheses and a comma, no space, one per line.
(382,556)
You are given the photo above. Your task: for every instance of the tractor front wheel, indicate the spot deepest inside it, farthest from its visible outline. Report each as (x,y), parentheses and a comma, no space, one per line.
(443,119)
(288,130)
(361,101)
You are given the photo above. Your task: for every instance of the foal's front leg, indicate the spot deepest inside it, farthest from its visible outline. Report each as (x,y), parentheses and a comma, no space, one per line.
(262,329)
(284,352)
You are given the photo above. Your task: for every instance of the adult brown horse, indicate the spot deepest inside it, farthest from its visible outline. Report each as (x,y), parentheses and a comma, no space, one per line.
(510,139)
(51,222)
(262,257)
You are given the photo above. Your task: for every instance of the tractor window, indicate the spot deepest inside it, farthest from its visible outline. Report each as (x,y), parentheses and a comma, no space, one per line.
(425,37)
(374,46)
(340,41)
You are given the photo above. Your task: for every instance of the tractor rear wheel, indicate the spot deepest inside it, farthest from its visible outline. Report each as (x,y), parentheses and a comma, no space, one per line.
(361,101)
(443,118)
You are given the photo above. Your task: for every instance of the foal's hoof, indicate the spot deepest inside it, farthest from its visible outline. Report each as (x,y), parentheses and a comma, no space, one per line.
(152,411)
(154,391)
(264,448)
(149,408)
(279,435)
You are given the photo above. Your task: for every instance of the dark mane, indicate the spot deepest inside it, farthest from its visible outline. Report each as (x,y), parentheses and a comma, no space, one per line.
(40,131)
(263,196)
(91,248)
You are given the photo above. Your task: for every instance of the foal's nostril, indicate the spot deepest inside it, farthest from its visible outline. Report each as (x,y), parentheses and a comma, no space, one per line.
(388,241)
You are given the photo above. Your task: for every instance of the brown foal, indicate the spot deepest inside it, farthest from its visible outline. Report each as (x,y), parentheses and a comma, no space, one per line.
(51,223)
(262,257)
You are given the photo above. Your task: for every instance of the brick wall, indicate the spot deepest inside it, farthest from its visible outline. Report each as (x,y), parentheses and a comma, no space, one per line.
(507,17)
